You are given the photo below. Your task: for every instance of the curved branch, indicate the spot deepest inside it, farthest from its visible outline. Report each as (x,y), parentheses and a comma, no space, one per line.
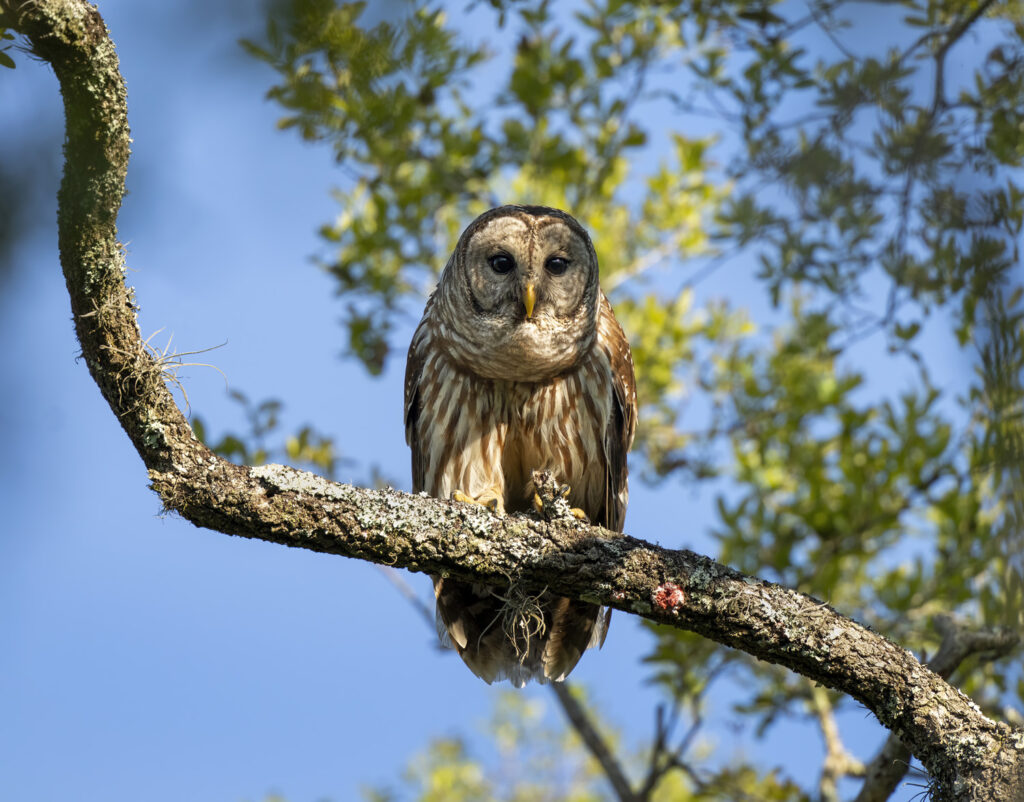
(968,755)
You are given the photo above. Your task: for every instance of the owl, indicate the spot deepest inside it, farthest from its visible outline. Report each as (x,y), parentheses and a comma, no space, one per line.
(519,365)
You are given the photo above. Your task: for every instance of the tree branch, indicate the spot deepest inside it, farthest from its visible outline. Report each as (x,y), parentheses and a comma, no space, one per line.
(968,755)
(888,767)
(664,758)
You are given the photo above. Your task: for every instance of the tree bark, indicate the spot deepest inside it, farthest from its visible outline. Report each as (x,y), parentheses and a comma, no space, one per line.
(969,756)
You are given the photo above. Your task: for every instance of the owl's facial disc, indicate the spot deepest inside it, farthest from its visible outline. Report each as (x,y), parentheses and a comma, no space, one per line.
(527,269)
(532,286)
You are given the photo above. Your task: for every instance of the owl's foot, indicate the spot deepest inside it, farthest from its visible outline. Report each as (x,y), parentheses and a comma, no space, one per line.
(550,499)
(493,498)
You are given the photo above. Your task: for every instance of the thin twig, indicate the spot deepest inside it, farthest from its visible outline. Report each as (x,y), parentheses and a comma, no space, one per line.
(827,30)
(838,763)
(650,259)
(598,747)
(663,759)
(408,593)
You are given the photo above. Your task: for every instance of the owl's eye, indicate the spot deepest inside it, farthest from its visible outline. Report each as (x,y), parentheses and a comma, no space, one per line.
(501,263)
(556,265)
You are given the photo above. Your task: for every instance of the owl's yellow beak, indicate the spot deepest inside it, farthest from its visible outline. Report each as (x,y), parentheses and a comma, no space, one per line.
(530,299)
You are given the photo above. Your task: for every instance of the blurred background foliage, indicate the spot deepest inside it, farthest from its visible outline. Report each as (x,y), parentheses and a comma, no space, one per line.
(808,220)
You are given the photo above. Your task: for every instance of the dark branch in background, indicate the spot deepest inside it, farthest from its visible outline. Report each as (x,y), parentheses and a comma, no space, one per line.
(925,127)
(663,758)
(953,36)
(968,755)
(595,743)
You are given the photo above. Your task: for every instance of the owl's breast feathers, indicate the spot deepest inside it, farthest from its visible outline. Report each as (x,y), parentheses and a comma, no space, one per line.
(471,433)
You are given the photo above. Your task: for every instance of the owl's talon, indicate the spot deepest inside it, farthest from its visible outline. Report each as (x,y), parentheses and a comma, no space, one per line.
(538,504)
(458,495)
(491,499)
(551,499)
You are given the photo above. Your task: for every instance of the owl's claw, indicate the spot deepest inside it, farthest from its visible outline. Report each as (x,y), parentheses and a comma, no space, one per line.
(490,498)
(579,515)
(538,504)
(551,500)
(560,494)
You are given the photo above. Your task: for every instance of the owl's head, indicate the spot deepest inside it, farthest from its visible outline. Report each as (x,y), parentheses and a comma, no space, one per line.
(520,294)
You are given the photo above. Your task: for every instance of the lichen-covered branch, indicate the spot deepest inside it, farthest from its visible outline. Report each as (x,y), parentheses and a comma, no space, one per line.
(883,774)
(968,755)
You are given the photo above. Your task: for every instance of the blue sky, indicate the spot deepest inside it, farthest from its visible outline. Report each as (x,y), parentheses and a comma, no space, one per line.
(145,658)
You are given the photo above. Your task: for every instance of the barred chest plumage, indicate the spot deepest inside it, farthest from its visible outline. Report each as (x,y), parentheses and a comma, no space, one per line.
(491,434)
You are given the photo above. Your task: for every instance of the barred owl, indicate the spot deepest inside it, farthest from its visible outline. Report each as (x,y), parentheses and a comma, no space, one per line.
(519,365)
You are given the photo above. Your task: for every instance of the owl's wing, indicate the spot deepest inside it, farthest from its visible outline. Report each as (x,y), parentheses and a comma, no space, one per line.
(418,352)
(622,427)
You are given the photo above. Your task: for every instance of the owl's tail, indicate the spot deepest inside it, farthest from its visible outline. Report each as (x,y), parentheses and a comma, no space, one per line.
(504,633)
